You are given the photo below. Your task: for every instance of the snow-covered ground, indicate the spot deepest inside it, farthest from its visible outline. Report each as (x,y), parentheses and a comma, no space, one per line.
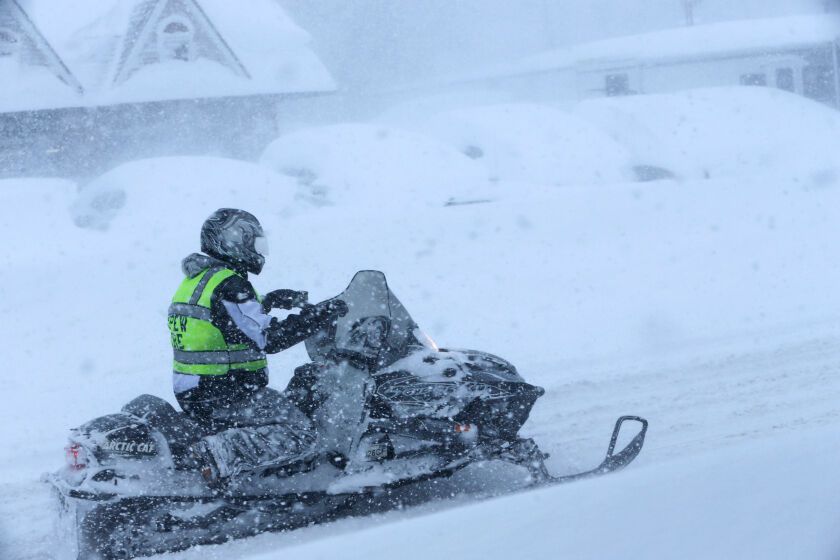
(710,306)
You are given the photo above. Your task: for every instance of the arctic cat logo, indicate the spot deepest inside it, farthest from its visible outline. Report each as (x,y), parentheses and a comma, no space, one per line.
(411,391)
(129,447)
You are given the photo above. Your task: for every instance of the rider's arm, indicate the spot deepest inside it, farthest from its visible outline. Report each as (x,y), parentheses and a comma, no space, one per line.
(244,319)
(291,330)
(249,318)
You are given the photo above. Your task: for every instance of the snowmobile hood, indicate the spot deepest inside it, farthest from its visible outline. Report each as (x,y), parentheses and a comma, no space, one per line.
(193,264)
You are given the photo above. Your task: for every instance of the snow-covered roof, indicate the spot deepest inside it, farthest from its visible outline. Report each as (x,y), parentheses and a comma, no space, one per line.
(29,66)
(113,48)
(684,43)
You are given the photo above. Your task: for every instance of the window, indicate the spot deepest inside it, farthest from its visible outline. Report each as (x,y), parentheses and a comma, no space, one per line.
(8,43)
(175,39)
(617,84)
(176,27)
(756,79)
(818,82)
(784,79)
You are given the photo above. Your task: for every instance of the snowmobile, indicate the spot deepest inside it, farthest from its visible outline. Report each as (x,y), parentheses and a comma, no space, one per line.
(393,413)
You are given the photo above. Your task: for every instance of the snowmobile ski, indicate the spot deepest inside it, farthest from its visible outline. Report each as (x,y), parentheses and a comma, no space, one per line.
(612,461)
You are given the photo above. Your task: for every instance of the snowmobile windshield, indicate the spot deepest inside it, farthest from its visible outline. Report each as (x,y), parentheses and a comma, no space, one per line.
(376,329)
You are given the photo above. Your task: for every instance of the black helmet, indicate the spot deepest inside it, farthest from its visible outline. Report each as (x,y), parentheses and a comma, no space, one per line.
(235,237)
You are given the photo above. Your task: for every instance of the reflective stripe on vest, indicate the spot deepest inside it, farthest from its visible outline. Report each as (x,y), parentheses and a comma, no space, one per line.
(218,357)
(193,311)
(199,346)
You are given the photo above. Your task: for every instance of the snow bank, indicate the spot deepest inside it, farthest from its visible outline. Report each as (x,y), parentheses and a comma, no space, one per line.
(718,132)
(722,132)
(35,219)
(758,501)
(160,198)
(531,144)
(373,166)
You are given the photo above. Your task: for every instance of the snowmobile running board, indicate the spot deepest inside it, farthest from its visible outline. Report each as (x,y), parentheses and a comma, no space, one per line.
(613,461)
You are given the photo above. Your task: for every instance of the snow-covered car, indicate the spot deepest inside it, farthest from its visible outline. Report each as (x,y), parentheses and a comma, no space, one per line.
(529,143)
(186,190)
(362,164)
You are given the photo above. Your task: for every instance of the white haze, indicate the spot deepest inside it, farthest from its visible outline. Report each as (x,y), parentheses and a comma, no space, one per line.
(375,43)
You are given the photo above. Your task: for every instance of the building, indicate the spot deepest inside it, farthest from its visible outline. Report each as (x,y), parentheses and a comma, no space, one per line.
(89,83)
(797,53)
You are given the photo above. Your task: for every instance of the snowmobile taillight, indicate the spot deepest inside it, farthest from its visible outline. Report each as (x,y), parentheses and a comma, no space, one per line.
(467,432)
(76,456)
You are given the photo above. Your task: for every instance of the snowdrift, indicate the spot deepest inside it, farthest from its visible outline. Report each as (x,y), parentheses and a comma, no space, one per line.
(373,166)
(159,198)
(738,503)
(35,217)
(726,132)
(531,144)
(697,134)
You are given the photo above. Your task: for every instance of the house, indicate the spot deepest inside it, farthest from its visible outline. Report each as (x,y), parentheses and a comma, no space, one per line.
(96,82)
(798,54)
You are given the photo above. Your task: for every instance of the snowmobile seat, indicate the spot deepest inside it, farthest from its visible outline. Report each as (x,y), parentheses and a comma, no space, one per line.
(179,430)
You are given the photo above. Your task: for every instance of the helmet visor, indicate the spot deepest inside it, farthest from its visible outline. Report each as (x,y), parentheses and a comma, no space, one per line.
(261,245)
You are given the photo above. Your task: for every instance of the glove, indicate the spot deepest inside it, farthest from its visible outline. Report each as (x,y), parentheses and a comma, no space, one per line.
(283,299)
(329,308)
(335,307)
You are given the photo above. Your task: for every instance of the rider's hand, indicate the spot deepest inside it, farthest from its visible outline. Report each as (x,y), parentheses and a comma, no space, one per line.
(338,307)
(283,299)
(329,308)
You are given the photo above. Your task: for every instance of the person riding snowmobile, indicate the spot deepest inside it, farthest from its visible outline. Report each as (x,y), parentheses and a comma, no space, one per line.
(221,331)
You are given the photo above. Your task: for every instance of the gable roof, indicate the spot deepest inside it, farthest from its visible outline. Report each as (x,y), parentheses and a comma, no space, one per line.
(112,47)
(35,67)
(146,21)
